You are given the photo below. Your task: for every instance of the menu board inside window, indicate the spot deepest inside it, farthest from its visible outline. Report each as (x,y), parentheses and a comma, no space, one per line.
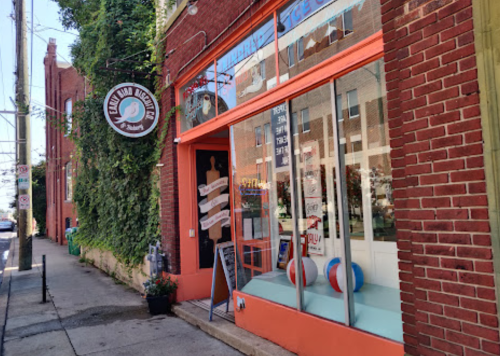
(315,30)
(249,68)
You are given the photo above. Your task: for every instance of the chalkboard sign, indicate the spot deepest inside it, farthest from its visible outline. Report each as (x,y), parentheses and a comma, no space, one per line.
(224,276)
(226,252)
(279,125)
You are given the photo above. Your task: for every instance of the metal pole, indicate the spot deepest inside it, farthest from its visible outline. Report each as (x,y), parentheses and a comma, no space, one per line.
(23,134)
(44,281)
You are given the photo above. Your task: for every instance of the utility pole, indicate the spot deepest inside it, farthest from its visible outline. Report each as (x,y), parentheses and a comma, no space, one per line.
(25,212)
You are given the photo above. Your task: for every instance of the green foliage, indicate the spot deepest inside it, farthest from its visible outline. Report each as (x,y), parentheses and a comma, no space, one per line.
(116,190)
(39,195)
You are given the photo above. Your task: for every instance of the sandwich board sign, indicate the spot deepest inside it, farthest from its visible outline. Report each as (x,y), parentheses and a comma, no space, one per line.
(224,276)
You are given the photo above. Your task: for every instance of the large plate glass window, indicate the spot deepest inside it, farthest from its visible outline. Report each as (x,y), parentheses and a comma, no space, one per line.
(263,207)
(249,68)
(317,214)
(314,30)
(365,154)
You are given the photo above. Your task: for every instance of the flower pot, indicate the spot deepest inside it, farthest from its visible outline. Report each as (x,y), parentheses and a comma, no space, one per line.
(159,305)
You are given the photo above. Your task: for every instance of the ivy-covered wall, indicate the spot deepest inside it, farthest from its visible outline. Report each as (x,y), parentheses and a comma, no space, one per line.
(116,191)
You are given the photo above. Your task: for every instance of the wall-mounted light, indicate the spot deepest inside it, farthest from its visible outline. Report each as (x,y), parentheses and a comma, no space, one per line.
(192,8)
(280,27)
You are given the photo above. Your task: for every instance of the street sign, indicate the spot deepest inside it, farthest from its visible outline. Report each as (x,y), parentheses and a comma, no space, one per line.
(24,202)
(23,183)
(23,171)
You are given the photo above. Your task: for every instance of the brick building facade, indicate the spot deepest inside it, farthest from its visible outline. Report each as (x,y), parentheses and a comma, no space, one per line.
(63,88)
(432,105)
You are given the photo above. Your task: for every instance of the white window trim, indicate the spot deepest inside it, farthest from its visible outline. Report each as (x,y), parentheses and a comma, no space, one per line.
(330,27)
(293,53)
(349,104)
(255,134)
(308,120)
(270,135)
(303,50)
(343,24)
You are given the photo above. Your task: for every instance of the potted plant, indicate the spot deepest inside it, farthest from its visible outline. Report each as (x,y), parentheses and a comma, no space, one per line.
(159,294)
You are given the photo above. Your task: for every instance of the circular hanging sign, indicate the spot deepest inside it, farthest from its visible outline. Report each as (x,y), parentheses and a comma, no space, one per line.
(131,110)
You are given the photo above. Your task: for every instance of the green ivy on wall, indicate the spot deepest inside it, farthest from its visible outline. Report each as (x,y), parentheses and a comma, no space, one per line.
(115,190)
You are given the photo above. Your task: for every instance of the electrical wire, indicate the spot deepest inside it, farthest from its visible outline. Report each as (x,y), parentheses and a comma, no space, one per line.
(31,53)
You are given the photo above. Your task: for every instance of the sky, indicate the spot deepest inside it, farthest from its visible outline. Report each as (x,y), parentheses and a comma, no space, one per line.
(46,25)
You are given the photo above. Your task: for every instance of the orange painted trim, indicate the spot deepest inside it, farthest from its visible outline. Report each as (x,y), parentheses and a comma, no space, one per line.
(194,282)
(232,39)
(276,49)
(342,63)
(306,334)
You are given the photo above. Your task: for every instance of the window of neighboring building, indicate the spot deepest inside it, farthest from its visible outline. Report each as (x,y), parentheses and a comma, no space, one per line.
(338,107)
(263,69)
(69,181)
(67,223)
(291,56)
(305,120)
(68,108)
(267,133)
(295,123)
(333,31)
(300,49)
(258,136)
(352,103)
(348,25)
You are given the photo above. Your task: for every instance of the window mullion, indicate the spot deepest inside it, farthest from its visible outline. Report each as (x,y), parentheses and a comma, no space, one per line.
(297,251)
(339,153)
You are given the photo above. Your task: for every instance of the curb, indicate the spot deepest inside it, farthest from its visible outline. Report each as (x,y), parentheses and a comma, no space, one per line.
(5,291)
(227,332)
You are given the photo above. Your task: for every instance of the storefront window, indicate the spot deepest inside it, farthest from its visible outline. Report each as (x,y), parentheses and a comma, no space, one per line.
(262,207)
(315,30)
(197,100)
(364,151)
(249,68)
(264,226)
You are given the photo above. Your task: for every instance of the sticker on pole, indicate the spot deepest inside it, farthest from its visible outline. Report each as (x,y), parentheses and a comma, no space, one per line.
(23,183)
(23,171)
(131,110)
(24,202)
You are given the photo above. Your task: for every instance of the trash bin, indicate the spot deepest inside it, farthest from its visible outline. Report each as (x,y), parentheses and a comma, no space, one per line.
(73,248)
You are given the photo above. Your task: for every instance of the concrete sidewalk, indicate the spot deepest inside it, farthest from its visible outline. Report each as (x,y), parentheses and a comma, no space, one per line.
(87,313)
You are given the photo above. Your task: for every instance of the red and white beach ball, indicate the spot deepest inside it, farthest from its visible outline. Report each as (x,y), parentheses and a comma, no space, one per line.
(309,271)
(336,277)
(328,266)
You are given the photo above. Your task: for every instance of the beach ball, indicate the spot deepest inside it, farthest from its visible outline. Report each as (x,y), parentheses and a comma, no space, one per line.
(309,271)
(328,266)
(336,277)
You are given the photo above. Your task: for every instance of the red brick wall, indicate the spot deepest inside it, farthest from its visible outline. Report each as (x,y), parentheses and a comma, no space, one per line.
(61,84)
(447,283)
(213,17)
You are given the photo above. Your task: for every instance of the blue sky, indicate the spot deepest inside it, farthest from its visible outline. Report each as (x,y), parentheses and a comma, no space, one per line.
(46,25)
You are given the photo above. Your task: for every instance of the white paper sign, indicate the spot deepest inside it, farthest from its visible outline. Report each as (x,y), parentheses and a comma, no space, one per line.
(24,202)
(23,171)
(23,183)
(313,198)
(247,229)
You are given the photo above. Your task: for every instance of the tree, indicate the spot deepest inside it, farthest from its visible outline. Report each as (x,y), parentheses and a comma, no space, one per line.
(39,200)
(39,196)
